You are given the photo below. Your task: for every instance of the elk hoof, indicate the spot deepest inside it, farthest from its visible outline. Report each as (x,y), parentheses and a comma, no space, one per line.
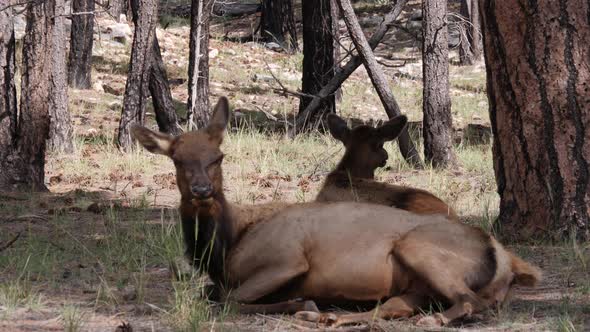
(436,320)
(329,319)
(310,316)
(310,306)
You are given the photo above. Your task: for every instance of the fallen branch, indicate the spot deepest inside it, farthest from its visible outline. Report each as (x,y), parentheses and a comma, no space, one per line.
(345,71)
(9,243)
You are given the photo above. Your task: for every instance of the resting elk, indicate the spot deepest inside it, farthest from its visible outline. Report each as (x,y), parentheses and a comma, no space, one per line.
(330,253)
(353,178)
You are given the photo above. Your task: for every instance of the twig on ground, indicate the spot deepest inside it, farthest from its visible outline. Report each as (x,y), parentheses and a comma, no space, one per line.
(9,243)
(284,90)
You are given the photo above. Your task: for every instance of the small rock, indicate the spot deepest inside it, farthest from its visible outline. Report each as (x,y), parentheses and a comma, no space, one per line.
(274,47)
(262,78)
(97,86)
(115,105)
(114,89)
(230,52)
(119,32)
(213,53)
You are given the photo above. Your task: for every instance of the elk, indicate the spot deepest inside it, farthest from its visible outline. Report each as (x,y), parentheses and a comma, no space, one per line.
(353,177)
(330,253)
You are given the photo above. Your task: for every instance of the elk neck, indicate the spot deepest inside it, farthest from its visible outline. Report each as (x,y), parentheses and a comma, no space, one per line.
(347,167)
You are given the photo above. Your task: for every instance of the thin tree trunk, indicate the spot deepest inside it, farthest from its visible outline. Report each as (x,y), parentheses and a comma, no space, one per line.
(318,56)
(60,129)
(81,40)
(278,23)
(8,110)
(344,72)
(379,81)
(537,81)
(161,96)
(465,53)
(471,45)
(139,71)
(198,65)
(438,121)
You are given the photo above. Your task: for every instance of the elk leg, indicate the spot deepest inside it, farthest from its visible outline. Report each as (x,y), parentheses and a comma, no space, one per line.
(265,281)
(395,307)
(287,307)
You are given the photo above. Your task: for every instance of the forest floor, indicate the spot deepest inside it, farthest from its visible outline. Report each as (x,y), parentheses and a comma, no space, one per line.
(98,250)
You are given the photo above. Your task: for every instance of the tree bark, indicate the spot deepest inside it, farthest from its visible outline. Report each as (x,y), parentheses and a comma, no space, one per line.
(161,96)
(278,23)
(438,121)
(198,64)
(538,88)
(158,85)
(8,110)
(471,46)
(27,169)
(60,127)
(81,40)
(139,71)
(344,72)
(318,56)
(378,79)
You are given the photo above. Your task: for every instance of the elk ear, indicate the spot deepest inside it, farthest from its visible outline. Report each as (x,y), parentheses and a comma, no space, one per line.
(154,142)
(392,128)
(220,118)
(338,128)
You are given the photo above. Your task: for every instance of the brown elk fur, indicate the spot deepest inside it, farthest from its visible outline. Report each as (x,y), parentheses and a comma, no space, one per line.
(331,252)
(353,178)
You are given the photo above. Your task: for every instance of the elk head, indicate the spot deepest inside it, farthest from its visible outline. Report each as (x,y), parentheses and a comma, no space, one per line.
(364,144)
(196,155)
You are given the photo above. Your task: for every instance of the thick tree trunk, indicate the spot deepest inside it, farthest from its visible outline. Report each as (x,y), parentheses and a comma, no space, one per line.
(278,23)
(158,85)
(81,39)
(318,56)
(117,7)
(537,81)
(345,71)
(471,46)
(60,129)
(139,71)
(28,168)
(8,110)
(438,121)
(198,64)
(378,78)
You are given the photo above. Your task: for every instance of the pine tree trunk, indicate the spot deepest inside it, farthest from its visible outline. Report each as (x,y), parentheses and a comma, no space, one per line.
(28,169)
(198,64)
(60,130)
(161,96)
(471,45)
(278,23)
(318,56)
(8,110)
(538,87)
(158,86)
(438,122)
(81,40)
(135,98)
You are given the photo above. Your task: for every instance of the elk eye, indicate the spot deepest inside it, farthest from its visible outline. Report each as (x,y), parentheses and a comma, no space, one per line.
(217,161)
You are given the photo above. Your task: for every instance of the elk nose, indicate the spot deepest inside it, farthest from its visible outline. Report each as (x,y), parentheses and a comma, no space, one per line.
(202,191)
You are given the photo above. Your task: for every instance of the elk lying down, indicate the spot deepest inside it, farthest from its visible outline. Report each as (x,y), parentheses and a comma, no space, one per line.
(353,178)
(340,252)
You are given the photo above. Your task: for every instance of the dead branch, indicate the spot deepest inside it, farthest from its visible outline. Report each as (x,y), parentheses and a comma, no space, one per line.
(346,70)
(283,90)
(9,243)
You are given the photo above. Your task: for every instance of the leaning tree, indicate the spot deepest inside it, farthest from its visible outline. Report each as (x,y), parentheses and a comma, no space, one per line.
(538,83)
